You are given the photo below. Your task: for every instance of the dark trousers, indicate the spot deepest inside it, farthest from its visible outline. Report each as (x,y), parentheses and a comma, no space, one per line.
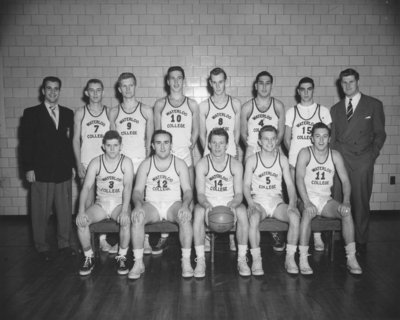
(361,180)
(46,196)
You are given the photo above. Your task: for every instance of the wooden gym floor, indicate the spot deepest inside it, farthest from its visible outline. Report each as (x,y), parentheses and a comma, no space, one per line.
(33,289)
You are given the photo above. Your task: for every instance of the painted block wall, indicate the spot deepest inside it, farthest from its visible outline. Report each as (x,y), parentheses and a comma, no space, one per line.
(78,40)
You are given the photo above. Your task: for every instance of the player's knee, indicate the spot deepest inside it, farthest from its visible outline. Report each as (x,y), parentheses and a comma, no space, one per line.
(254,219)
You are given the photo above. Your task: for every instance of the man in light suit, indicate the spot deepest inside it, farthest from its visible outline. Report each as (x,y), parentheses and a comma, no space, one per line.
(47,159)
(358,133)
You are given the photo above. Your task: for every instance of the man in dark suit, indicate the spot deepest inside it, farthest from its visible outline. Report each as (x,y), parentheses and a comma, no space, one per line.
(47,159)
(358,133)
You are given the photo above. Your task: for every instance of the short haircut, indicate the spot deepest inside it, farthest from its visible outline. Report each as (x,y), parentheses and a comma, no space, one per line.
(320,125)
(267,128)
(110,135)
(264,73)
(160,131)
(175,68)
(124,76)
(51,79)
(349,72)
(94,81)
(217,71)
(305,80)
(218,132)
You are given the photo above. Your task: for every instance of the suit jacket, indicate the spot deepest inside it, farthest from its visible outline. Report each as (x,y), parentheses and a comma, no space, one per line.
(46,149)
(360,139)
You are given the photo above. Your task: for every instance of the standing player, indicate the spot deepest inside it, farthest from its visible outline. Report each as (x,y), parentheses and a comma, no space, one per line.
(299,121)
(257,113)
(220,111)
(315,170)
(219,182)
(134,122)
(179,115)
(263,192)
(90,124)
(160,181)
(112,173)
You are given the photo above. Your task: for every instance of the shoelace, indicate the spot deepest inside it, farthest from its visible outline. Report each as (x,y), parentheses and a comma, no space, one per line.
(199,259)
(88,261)
(121,259)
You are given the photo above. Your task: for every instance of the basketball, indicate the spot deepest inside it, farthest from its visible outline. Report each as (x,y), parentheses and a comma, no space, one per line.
(221,219)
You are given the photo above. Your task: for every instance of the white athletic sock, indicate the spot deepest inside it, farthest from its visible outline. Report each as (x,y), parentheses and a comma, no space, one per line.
(89,253)
(199,251)
(350,249)
(122,252)
(242,250)
(186,253)
(290,249)
(303,251)
(256,252)
(138,254)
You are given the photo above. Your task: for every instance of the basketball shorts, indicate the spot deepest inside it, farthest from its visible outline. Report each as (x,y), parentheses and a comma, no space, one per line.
(320,202)
(269,204)
(183,153)
(108,205)
(162,207)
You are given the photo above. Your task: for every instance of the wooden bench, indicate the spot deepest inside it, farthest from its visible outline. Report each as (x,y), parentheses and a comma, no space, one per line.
(319,224)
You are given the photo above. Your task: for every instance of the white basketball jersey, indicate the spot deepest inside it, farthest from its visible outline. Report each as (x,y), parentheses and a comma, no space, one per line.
(319,176)
(222,118)
(266,181)
(163,185)
(259,119)
(301,132)
(178,122)
(93,129)
(132,128)
(219,184)
(110,184)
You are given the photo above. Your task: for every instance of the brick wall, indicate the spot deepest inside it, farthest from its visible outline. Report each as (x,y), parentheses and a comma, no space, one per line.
(81,39)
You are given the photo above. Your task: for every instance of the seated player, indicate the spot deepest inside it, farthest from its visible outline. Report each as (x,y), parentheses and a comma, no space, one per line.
(219,182)
(263,192)
(315,169)
(157,196)
(113,174)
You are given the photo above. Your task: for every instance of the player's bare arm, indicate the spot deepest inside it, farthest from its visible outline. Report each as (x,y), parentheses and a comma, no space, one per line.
(244,117)
(195,121)
(138,190)
(148,114)
(237,171)
(291,189)
(203,110)
(112,116)
(280,110)
(344,208)
(76,141)
(287,140)
(236,130)
(185,213)
(248,174)
(201,171)
(158,107)
(127,168)
(302,161)
(82,219)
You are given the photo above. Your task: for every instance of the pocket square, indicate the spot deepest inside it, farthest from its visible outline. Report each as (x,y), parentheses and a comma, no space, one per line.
(368,117)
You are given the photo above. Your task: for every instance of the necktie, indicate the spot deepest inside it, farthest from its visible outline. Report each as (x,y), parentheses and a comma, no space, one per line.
(53,114)
(349,112)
